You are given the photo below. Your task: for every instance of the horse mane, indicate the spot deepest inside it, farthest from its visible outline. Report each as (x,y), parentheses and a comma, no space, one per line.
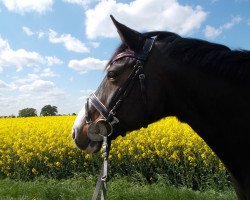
(220,60)
(233,65)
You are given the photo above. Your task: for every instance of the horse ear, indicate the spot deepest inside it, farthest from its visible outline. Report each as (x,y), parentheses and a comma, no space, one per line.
(133,39)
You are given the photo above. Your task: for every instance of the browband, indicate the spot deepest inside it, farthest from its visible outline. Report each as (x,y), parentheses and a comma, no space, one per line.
(143,55)
(127,53)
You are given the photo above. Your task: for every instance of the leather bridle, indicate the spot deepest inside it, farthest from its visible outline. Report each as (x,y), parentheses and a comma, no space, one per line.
(109,119)
(103,127)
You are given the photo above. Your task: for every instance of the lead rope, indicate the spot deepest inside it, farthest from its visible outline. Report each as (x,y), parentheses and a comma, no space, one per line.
(101,184)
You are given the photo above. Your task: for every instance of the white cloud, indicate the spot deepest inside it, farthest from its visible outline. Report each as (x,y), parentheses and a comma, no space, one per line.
(47,72)
(240,1)
(143,15)
(6,86)
(95,44)
(31,78)
(8,103)
(52,60)
(34,84)
(38,86)
(4,45)
(87,64)
(52,96)
(85,94)
(235,20)
(212,32)
(40,34)
(78,2)
(34,94)
(28,79)
(27,31)
(69,42)
(43,92)
(21,58)
(26,6)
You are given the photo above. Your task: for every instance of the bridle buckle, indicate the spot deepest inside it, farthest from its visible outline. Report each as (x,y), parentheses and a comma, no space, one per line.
(114,121)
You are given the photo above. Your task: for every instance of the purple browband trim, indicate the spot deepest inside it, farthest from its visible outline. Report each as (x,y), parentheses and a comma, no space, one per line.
(127,53)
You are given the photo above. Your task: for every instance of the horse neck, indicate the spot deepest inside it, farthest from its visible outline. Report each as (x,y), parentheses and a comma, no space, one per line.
(213,107)
(218,112)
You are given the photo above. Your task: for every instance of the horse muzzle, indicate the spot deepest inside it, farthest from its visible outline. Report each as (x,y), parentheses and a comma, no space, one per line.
(80,135)
(87,134)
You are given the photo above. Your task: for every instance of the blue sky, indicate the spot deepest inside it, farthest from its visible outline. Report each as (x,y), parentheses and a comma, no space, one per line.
(54,51)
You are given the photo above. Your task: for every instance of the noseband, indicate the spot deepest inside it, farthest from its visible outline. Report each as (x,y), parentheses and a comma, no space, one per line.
(104,126)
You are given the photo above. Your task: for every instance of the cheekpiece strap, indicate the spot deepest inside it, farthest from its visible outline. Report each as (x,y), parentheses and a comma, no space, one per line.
(143,55)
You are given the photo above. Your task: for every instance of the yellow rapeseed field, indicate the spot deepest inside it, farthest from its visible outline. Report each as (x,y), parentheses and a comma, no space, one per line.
(43,146)
(25,140)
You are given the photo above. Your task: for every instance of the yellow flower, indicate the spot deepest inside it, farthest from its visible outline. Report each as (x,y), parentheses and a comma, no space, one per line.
(47,141)
(34,171)
(58,164)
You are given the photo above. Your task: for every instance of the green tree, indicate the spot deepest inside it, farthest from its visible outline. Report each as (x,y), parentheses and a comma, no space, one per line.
(48,110)
(27,112)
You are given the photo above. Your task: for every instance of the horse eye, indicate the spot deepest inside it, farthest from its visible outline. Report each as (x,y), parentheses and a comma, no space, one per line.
(112,75)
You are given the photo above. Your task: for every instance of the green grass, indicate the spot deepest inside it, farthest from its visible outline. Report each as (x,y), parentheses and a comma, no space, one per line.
(118,189)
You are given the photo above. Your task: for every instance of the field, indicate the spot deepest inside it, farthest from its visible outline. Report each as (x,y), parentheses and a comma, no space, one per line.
(167,151)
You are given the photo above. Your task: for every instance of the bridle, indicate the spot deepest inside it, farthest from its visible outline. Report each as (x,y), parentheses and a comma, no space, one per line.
(103,128)
(109,119)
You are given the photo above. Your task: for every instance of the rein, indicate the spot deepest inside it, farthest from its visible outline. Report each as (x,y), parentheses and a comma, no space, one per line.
(103,177)
(102,129)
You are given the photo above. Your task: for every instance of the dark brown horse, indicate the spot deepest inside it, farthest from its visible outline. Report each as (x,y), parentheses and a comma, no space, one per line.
(159,74)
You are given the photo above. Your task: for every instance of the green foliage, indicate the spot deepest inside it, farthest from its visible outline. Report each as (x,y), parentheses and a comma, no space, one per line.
(49,110)
(27,112)
(82,187)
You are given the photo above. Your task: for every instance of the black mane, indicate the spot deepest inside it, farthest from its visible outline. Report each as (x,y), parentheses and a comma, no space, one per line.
(233,65)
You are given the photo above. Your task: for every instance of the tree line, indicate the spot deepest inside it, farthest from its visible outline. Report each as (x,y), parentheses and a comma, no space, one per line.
(47,110)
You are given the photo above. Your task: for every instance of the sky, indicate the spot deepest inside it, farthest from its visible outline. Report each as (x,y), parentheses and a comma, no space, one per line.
(54,51)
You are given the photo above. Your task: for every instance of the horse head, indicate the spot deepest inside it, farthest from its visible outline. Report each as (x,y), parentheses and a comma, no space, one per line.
(130,95)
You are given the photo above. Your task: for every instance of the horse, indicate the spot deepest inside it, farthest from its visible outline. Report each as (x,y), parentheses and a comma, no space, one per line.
(157,74)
